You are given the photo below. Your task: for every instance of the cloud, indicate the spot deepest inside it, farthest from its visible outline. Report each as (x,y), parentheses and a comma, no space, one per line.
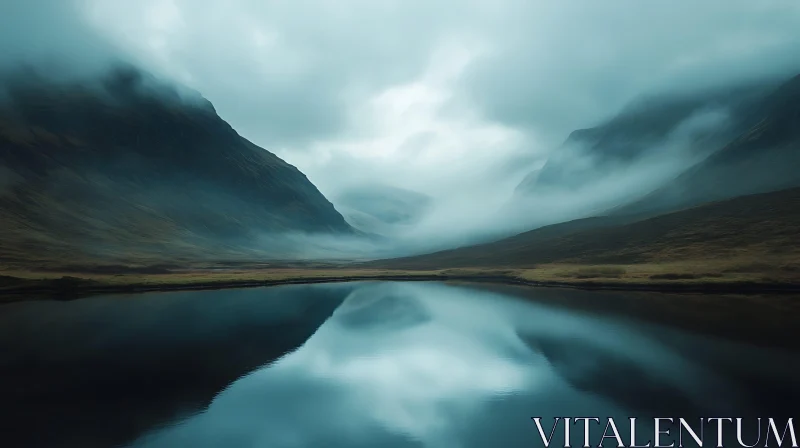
(561,66)
(295,74)
(54,35)
(416,135)
(283,72)
(291,73)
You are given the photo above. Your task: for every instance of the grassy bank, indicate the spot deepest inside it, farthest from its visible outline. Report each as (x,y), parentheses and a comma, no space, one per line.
(702,276)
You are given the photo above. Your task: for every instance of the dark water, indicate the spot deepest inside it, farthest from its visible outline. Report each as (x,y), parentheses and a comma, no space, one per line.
(361,365)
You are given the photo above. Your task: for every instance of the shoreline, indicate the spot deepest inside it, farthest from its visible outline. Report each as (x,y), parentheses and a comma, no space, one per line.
(68,288)
(755,313)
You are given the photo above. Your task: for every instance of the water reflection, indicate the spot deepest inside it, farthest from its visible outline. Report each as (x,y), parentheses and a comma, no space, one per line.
(357,365)
(430,365)
(98,372)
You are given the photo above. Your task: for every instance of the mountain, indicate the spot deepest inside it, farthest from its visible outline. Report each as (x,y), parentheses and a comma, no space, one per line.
(690,125)
(127,166)
(759,228)
(765,157)
(375,208)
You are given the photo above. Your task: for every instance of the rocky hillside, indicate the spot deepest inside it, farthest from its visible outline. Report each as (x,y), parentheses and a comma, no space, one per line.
(128,166)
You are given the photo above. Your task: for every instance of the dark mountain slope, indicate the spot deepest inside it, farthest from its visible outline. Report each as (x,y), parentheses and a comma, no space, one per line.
(766,157)
(130,166)
(757,226)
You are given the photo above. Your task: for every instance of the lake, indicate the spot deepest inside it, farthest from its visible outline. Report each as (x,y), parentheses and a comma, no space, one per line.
(373,364)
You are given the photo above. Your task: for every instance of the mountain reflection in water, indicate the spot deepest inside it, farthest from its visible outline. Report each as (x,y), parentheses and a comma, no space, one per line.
(429,365)
(359,365)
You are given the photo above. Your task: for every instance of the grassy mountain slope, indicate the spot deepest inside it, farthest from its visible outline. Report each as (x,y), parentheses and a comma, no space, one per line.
(127,168)
(761,228)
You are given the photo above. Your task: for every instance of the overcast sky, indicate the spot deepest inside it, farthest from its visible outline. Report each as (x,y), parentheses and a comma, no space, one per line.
(426,94)
(448,97)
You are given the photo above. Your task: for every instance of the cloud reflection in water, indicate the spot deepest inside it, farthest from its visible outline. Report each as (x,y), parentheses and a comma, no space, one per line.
(430,365)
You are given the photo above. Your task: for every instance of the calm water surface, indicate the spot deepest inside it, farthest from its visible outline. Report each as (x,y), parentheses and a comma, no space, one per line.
(356,365)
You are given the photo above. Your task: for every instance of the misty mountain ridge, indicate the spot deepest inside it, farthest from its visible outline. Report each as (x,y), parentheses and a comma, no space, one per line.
(754,150)
(764,157)
(694,148)
(129,164)
(651,129)
(377,208)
